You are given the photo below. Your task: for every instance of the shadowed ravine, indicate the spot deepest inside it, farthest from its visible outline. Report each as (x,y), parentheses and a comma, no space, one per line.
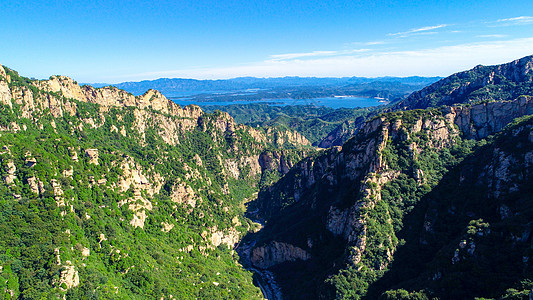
(263,278)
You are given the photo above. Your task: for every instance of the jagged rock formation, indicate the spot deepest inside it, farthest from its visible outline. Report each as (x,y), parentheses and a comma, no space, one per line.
(57,93)
(482,120)
(276,253)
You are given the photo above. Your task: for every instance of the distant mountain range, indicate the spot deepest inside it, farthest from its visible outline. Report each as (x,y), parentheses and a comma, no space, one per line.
(172,86)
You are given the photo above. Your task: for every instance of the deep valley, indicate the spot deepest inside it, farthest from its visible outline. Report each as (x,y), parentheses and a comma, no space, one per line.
(109,195)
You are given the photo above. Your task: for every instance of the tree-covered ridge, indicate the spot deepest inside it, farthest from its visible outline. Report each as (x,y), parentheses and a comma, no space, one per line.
(107,195)
(322,126)
(351,202)
(482,83)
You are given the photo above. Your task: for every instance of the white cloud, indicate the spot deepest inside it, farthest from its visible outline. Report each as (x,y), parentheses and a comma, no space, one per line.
(491,36)
(517,20)
(440,61)
(299,55)
(375,43)
(292,56)
(418,30)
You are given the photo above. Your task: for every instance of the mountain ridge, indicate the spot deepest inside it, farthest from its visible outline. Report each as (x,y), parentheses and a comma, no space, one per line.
(481,83)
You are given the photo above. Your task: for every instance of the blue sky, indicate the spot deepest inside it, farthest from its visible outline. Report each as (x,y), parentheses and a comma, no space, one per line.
(115,41)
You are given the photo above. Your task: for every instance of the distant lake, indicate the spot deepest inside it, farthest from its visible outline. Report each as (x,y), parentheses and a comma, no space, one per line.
(333,102)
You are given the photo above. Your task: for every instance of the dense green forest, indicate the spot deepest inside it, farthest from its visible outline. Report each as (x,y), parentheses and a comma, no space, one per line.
(81,219)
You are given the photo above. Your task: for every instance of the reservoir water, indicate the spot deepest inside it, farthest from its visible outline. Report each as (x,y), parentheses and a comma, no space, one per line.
(333,102)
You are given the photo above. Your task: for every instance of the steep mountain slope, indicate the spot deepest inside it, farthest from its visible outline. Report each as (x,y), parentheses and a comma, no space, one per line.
(500,82)
(108,195)
(332,222)
(471,235)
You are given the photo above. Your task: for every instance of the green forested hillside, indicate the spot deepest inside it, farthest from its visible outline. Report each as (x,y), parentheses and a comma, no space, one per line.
(109,196)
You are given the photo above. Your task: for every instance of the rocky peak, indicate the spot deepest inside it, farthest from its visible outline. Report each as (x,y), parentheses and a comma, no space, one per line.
(2,72)
(66,85)
(5,92)
(516,70)
(155,100)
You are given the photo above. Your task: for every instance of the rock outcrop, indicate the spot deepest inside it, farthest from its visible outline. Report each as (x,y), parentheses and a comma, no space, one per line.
(92,154)
(482,120)
(276,253)
(69,277)
(230,238)
(5,92)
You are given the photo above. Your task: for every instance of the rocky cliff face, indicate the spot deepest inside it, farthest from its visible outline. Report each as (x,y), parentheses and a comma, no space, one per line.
(114,97)
(280,161)
(276,253)
(482,120)
(358,168)
(475,225)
